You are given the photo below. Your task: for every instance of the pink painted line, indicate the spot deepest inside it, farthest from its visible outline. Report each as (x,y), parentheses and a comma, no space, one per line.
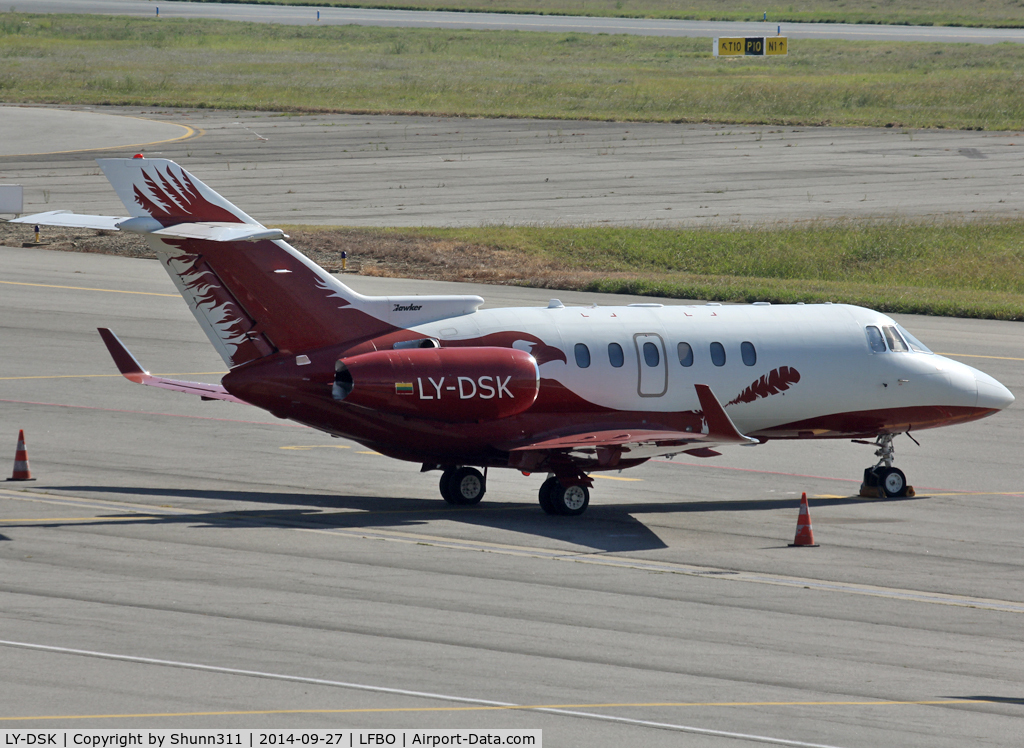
(815,477)
(148,413)
(752,470)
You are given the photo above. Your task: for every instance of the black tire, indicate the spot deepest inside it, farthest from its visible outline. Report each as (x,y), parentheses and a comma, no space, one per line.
(443,484)
(571,501)
(545,495)
(465,486)
(893,482)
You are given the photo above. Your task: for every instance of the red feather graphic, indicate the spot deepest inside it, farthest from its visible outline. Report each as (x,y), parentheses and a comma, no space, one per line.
(772,383)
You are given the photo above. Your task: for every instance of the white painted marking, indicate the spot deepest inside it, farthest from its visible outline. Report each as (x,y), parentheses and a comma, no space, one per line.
(407,692)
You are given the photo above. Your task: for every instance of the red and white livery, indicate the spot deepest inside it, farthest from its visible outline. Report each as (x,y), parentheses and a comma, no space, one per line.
(563,391)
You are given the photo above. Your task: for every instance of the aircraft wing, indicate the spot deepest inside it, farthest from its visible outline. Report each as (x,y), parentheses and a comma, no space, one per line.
(133,371)
(608,448)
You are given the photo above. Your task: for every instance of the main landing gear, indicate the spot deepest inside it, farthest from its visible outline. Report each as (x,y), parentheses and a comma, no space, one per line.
(463,485)
(883,480)
(557,499)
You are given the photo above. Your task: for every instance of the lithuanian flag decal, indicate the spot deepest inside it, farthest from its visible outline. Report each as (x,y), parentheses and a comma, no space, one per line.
(403,388)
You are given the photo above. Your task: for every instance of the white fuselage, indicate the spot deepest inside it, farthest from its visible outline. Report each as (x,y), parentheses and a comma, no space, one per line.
(827,344)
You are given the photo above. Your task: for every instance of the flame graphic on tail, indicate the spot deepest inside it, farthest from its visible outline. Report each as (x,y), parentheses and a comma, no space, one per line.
(173,197)
(206,294)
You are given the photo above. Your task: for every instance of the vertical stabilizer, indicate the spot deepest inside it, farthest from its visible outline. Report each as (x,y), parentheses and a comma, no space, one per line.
(253,294)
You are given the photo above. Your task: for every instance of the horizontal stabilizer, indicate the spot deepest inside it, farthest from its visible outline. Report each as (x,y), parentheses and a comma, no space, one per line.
(68,219)
(132,370)
(220,232)
(212,231)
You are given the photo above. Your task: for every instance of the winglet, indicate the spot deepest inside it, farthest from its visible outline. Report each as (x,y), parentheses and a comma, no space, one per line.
(126,362)
(721,429)
(132,370)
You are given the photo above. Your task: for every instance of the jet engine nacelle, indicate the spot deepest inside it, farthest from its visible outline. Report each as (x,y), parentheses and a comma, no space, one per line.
(456,385)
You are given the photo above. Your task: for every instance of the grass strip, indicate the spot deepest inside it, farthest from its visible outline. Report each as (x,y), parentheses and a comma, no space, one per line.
(995,13)
(207,63)
(949,269)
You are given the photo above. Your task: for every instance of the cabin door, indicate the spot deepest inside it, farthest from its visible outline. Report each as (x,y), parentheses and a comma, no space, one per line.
(652,378)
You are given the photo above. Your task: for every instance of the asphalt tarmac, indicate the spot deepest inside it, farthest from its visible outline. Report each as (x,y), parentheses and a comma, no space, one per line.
(414,171)
(309,16)
(179,563)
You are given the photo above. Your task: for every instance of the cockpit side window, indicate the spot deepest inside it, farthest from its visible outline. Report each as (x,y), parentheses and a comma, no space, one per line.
(875,339)
(896,343)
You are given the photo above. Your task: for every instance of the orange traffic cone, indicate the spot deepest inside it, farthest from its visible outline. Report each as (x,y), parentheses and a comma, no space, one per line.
(21,471)
(804,534)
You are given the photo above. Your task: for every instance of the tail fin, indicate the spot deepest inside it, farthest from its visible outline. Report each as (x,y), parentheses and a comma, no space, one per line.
(161,189)
(253,295)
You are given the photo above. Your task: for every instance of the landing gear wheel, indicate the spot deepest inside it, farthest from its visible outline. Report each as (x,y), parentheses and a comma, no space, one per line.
(571,501)
(464,486)
(443,485)
(546,489)
(893,482)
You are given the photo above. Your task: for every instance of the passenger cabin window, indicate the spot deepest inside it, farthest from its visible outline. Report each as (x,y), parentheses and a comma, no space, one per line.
(651,355)
(748,353)
(685,354)
(615,357)
(896,343)
(582,355)
(875,339)
(718,354)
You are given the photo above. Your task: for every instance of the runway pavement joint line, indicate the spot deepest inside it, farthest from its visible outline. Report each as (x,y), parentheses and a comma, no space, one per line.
(84,288)
(151,413)
(411,693)
(94,376)
(98,504)
(524,707)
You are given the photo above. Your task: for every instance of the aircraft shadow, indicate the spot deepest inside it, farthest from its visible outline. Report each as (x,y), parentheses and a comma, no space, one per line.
(991,699)
(608,528)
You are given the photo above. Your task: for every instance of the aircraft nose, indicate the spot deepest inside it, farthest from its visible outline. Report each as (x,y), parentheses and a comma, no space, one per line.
(991,393)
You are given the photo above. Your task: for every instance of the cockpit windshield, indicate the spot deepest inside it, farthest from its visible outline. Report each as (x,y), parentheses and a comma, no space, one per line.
(896,343)
(915,344)
(893,338)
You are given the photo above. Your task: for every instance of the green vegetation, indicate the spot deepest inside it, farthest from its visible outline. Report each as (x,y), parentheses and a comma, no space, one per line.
(919,12)
(168,62)
(953,269)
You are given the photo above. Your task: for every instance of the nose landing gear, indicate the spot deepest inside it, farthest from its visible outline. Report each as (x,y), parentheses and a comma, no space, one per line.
(884,481)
